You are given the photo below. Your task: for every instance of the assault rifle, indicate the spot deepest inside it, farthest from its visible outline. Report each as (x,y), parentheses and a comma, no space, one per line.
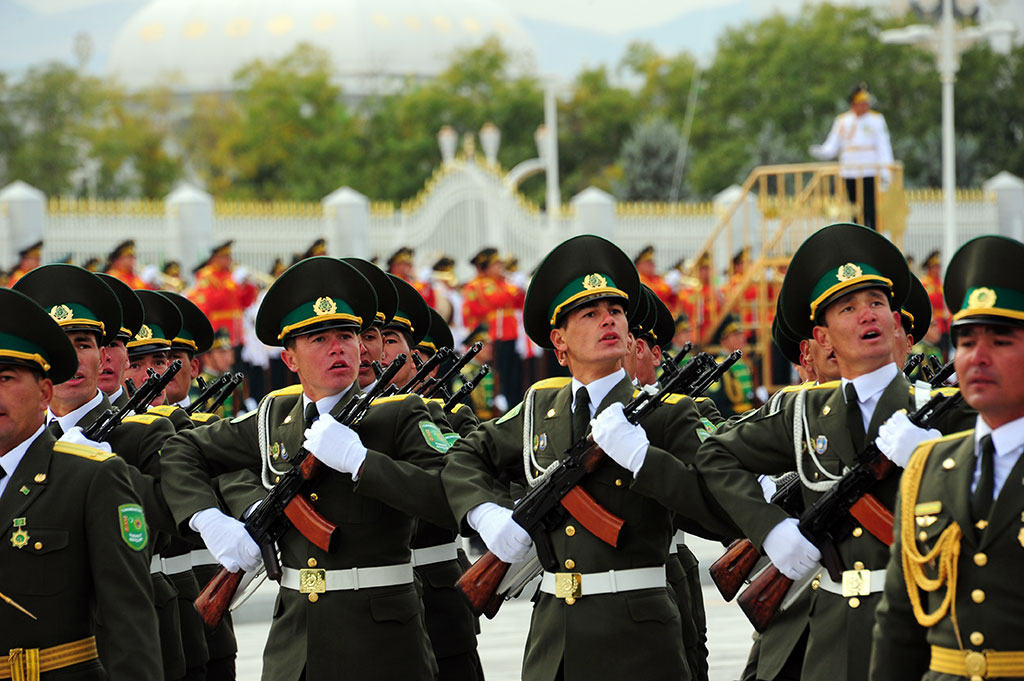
(424,370)
(100,429)
(286,505)
(462,394)
(670,364)
(544,506)
(913,361)
(831,517)
(208,391)
(442,383)
(234,380)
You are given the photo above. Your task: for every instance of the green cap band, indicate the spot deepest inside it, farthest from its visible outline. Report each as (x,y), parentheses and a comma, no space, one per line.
(992,302)
(15,347)
(74,314)
(587,286)
(845,277)
(323,309)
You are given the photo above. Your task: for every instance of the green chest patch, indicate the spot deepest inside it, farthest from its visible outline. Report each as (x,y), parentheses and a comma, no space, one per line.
(451,437)
(133,526)
(434,437)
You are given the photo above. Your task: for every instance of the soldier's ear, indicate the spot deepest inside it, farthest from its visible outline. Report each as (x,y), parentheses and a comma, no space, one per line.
(821,336)
(558,339)
(288,357)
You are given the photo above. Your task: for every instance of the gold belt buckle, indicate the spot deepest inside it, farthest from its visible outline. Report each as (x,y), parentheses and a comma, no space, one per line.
(568,585)
(975,664)
(856,583)
(312,581)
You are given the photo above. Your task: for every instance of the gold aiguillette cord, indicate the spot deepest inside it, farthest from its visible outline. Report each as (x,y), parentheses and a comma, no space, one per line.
(10,601)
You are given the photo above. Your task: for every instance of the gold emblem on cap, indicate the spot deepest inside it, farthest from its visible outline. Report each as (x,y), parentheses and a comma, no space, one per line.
(60,313)
(592,281)
(145,333)
(324,305)
(981,299)
(848,271)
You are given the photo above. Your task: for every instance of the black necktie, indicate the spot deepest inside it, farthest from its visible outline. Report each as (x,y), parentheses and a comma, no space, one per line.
(310,414)
(581,414)
(2,473)
(55,429)
(854,420)
(981,500)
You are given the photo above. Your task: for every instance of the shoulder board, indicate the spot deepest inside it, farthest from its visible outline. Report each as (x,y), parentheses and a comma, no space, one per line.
(145,419)
(511,413)
(925,448)
(436,400)
(164,409)
(84,451)
(948,391)
(457,407)
(290,390)
(203,416)
(671,398)
(393,398)
(555,382)
(952,436)
(237,419)
(800,386)
(698,400)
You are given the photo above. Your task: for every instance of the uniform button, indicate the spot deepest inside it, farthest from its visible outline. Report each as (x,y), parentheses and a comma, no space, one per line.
(815,583)
(311,562)
(313,496)
(313,598)
(978,596)
(38,545)
(569,563)
(618,482)
(981,524)
(858,531)
(854,602)
(948,464)
(857,565)
(569,600)
(980,559)
(277,478)
(570,530)
(815,475)
(977,638)
(922,535)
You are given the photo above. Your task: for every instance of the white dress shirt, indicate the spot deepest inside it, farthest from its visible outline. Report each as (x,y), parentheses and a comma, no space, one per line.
(597,390)
(325,404)
(869,388)
(9,461)
(1009,443)
(71,419)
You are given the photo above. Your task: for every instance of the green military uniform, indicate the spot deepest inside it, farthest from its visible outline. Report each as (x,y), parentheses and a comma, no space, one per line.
(480,400)
(595,635)
(832,263)
(76,547)
(952,602)
(321,628)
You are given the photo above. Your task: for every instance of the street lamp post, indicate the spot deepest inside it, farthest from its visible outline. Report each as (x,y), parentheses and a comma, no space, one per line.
(947,44)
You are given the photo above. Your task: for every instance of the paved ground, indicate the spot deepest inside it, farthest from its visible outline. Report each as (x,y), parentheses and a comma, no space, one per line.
(502,639)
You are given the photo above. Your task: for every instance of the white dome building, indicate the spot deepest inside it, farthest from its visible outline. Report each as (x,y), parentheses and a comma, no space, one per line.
(197,45)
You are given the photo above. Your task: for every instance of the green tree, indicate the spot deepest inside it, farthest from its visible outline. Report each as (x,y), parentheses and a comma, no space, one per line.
(648,161)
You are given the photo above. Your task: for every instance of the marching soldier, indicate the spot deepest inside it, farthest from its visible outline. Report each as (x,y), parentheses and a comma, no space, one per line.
(355,608)
(76,548)
(121,265)
(148,350)
(216,362)
(400,264)
(115,353)
(482,399)
(844,286)
(578,303)
(223,293)
(371,343)
(734,393)
(932,281)
(952,601)
(648,270)
(28,260)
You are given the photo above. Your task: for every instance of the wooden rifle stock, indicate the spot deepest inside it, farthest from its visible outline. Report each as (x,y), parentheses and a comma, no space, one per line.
(731,569)
(214,599)
(760,601)
(479,584)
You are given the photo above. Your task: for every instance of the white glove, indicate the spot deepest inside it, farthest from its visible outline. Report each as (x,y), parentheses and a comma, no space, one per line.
(227,540)
(768,486)
(336,445)
(503,536)
(74,436)
(625,443)
(898,438)
(789,550)
(816,151)
(150,275)
(240,274)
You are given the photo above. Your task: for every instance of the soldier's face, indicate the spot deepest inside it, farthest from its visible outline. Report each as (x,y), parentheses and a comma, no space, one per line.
(177,389)
(81,387)
(593,335)
(113,363)
(648,359)
(371,349)
(24,397)
(395,344)
(820,364)
(860,329)
(327,362)
(990,371)
(138,367)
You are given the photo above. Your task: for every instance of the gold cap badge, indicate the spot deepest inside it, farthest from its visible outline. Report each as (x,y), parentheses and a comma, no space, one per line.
(145,333)
(592,281)
(981,299)
(61,313)
(324,305)
(848,271)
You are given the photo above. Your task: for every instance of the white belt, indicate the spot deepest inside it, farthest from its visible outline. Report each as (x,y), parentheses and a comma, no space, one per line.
(312,580)
(176,564)
(855,583)
(574,584)
(435,554)
(678,538)
(155,565)
(202,557)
